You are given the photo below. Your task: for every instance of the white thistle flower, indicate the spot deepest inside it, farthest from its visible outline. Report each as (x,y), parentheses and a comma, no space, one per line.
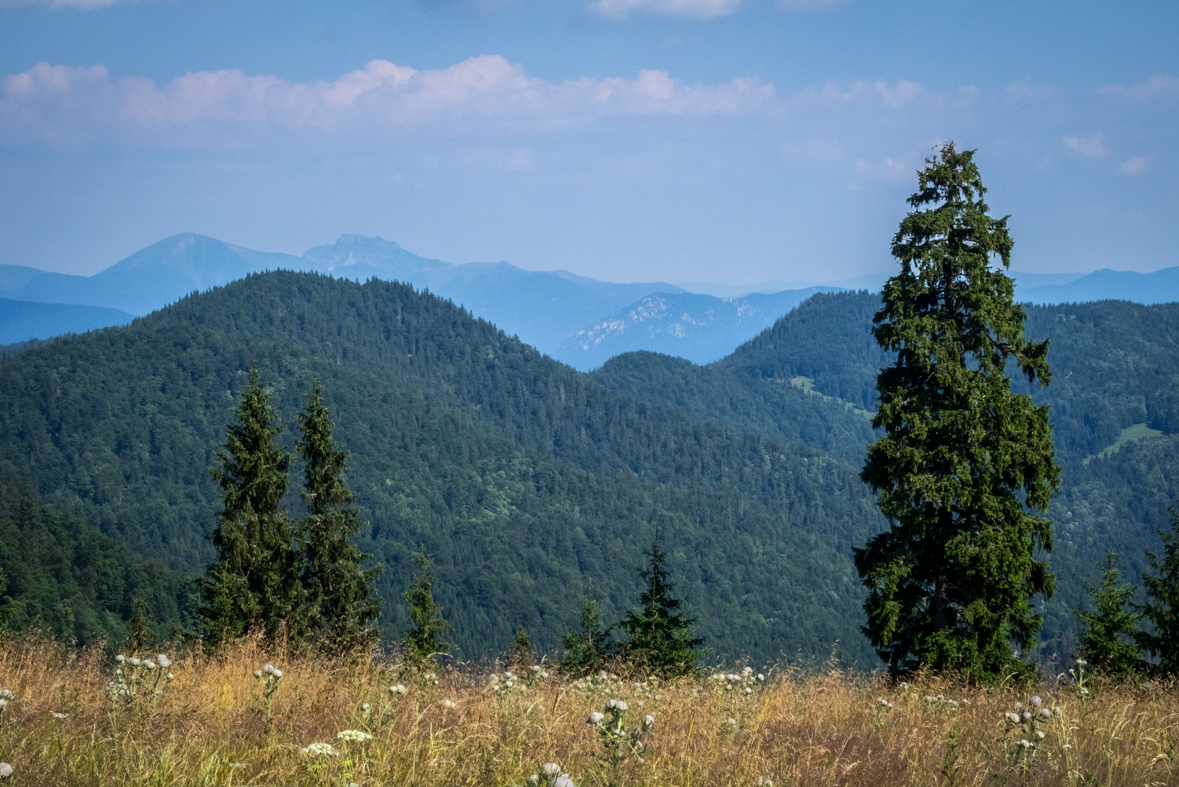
(268,669)
(1040,734)
(446,704)
(1082,663)
(563,781)
(649,720)
(134,662)
(398,689)
(258,674)
(1036,701)
(594,718)
(120,658)
(163,661)
(149,665)
(5,770)
(534,779)
(551,768)
(1045,714)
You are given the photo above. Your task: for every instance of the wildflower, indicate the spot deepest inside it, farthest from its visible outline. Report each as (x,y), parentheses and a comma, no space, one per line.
(1019,706)
(1040,734)
(544,674)
(1036,702)
(649,720)
(3,704)
(551,768)
(135,662)
(446,704)
(354,735)
(1024,743)
(171,676)
(268,669)
(534,779)
(618,704)
(149,665)
(1012,717)
(595,718)
(5,770)
(762,678)
(563,781)
(120,658)
(731,722)
(764,782)
(320,749)
(1045,714)
(258,674)
(1082,663)
(1084,691)
(398,689)
(1027,714)
(60,715)
(163,661)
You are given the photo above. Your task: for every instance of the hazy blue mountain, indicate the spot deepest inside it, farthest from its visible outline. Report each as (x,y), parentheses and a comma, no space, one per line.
(13,277)
(1162,286)
(700,328)
(156,276)
(542,308)
(723,290)
(21,321)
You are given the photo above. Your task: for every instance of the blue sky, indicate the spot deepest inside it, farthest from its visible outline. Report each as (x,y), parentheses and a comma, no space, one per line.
(720,140)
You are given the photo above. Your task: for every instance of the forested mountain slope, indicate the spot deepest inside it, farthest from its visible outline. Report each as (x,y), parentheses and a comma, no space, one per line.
(1113,404)
(526,479)
(65,577)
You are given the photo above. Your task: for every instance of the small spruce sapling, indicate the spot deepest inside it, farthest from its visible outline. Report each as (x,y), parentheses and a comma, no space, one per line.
(1162,605)
(586,648)
(424,641)
(1108,639)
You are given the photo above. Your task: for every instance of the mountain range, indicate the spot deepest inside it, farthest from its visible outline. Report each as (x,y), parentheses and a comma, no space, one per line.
(575,319)
(531,482)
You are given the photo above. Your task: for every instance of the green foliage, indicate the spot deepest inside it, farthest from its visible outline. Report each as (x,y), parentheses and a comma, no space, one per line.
(1107,639)
(62,576)
(660,638)
(587,646)
(424,641)
(950,582)
(254,580)
(340,605)
(1162,601)
(522,651)
(140,635)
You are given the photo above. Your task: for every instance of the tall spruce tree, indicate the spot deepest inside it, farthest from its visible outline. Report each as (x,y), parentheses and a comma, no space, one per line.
(1108,635)
(341,603)
(964,461)
(254,581)
(660,637)
(1162,601)
(424,641)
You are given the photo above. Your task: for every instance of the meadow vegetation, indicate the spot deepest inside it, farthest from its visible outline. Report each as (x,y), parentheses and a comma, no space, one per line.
(312,720)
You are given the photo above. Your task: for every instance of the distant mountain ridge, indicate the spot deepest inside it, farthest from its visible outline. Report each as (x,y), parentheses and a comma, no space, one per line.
(699,328)
(578,320)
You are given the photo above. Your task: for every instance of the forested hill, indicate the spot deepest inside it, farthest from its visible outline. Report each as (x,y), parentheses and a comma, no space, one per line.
(527,480)
(1113,404)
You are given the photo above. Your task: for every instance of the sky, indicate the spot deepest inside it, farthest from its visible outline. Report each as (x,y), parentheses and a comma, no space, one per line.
(731,141)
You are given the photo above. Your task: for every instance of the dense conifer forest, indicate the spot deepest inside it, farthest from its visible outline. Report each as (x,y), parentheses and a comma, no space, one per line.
(528,481)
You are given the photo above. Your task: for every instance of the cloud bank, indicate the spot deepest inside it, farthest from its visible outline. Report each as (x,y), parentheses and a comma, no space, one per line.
(68,104)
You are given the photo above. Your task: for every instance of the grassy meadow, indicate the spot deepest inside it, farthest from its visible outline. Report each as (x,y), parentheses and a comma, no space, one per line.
(210,725)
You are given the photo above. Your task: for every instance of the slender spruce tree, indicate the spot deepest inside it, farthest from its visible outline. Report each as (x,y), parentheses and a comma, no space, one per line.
(964,463)
(586,647)
(1162,601)
(1108,635)
(340,601)
(424,641)
(254,580)
(660,637)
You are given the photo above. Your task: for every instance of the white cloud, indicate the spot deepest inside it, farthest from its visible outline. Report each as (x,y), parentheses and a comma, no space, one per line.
(1133,166)
(693,9)
(66,105)
(897,96)
(1158,86)
(1092,146)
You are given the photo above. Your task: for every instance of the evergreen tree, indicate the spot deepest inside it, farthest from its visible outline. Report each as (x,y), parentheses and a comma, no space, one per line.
(1108,636)
(424,641)
(254,580)
(660,639)
(140,635)
(341,602)
(1162,607)
(950,583)
(585,647)
(522,651)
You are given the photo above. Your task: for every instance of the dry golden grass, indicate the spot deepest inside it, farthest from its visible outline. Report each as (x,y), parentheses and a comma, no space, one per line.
(824,729)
